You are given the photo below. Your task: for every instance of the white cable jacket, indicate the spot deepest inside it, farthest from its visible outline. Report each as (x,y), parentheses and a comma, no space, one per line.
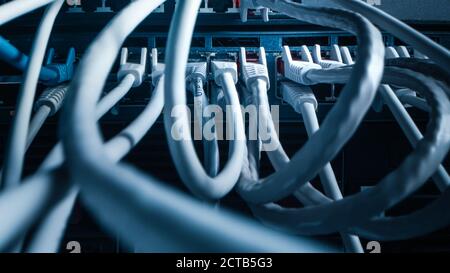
(419,41)
(347,113)
(397,185)
(183,152)
(13,9)
(15,151)
(48,236)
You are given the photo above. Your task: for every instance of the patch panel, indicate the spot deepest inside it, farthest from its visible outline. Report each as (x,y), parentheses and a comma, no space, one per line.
(226,42)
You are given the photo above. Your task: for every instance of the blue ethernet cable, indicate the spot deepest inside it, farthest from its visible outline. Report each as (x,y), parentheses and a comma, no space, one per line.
(15,152)
(19,60)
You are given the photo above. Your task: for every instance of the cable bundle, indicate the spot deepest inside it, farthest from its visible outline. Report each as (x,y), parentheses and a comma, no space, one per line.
(151,216)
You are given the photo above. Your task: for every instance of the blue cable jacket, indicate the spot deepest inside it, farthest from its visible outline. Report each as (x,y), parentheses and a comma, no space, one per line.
(14,57)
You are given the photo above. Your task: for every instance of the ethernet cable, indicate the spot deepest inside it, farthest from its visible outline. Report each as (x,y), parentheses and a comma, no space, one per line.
(334,62)
(410,98)
(306,194)
(129,74)
(255,78)
(126,82)
(50,74)
(439,54)
(210,146)
(50,170)
(405,94)
(423,66)
(104,183)
(15,150)
(18,216)
(409,226)
(14,57)
(414,101)
(302,99)
(56,156)
(182,150)
(410,176)
(278,2)
(48,104)
(47,237)
(13,9)
(316,57)
(345,115)
(196,77)
(50,232)
(441,177)
(324,81)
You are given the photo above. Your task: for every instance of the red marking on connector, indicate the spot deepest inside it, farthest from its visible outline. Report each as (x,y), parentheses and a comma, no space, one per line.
(280,66)
(252,57)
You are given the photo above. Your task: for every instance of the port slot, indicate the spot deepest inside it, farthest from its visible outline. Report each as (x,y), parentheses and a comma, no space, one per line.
(136,42)
(197,42)
(399,42)
(220,6)
(224,56)
(347,41)
(236,42)
(308,41)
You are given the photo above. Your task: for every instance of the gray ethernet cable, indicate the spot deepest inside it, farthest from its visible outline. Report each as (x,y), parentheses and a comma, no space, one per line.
(15,151)
(424,44)
(13,9)
(362,82)
(302,99)
(419,166)
(145,195)
(196,76)
(441,177)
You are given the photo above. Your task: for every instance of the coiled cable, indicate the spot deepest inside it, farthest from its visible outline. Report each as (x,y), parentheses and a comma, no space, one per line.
(345,115)
(396,186)
(138,219)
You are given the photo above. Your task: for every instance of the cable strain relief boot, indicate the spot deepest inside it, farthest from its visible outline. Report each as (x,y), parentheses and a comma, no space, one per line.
(64,71)
(135,69)
(250,71)
(52,97)
(326,64)
(197,70)
(297,70)
(157,68)
(297,94)
(221,67)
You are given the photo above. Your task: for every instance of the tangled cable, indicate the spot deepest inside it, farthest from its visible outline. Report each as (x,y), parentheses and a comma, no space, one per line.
(151,216)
